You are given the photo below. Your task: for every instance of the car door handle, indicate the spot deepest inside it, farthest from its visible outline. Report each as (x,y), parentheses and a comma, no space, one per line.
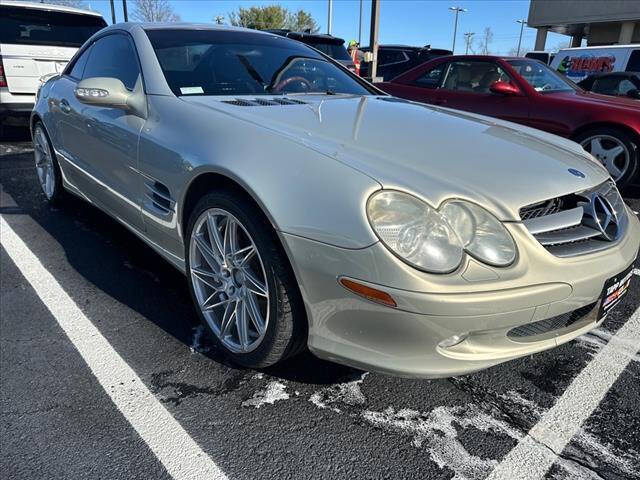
(64,106)
(440,101)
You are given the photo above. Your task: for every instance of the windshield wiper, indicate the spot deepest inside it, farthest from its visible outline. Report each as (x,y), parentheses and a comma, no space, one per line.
(252,71)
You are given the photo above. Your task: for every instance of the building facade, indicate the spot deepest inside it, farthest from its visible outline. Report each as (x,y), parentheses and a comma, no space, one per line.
(601,22)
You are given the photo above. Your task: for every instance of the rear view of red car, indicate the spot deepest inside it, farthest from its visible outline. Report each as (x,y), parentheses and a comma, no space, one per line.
(528,92)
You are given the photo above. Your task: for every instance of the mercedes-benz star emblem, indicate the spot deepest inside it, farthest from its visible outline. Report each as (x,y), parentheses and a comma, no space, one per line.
(604,216)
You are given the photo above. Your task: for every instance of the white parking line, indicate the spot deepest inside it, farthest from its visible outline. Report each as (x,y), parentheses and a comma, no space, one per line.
(171,444)
(536,453)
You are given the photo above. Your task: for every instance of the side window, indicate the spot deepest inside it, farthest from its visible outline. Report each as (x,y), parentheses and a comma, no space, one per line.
(114,56)
(625,86)
(386,57)
(431,79)
(606,85)
(474,77)
(634,61)
(78,67)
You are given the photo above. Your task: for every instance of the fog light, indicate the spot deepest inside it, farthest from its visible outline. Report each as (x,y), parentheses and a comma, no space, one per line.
(453,341)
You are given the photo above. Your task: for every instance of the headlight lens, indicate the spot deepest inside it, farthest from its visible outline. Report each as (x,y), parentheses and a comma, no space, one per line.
(414,231)
(435,240)
(482,235)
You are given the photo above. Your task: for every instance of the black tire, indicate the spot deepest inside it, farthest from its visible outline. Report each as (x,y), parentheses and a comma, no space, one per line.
(59,193)
(286,332)
(624,138)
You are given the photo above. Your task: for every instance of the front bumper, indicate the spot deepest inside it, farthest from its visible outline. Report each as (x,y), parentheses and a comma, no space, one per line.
(478,301)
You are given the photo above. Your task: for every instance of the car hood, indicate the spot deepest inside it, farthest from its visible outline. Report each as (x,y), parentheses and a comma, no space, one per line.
(433,153)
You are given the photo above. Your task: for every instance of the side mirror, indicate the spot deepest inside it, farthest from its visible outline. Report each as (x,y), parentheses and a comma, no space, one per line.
(504,88)
(634,93)
(104,91)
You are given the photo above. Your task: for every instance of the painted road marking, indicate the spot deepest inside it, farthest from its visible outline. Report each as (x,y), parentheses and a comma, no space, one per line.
(171,444)
(536,453)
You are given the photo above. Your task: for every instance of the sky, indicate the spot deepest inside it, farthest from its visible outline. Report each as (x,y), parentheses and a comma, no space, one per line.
(411,22)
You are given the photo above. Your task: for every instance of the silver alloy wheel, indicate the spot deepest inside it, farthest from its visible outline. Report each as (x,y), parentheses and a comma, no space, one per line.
(611,152)
(229,280)
(44,162)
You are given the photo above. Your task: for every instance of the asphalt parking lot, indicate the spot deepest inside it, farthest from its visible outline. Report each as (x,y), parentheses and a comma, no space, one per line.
(104,373)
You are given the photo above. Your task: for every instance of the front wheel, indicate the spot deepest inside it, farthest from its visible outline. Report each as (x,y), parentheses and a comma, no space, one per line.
(615,149)
(241,282)
(47,167)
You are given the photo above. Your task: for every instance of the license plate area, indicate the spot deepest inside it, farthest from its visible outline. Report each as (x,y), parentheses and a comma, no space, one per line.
(614,290)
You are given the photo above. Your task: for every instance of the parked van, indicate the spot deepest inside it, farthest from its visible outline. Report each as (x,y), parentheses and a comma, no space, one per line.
(37,39)
(578,63)
(544,57)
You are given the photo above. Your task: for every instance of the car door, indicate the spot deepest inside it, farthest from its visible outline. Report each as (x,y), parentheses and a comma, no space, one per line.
(108,143)
(466,85)
(70,132)
(420,85)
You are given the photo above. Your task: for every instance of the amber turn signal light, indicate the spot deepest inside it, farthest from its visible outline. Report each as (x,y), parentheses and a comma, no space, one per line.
(369,293)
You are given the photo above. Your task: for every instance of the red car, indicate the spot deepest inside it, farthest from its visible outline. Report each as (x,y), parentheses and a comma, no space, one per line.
(528,92)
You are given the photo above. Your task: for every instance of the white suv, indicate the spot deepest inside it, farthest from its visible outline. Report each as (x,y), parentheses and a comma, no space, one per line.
(37,39)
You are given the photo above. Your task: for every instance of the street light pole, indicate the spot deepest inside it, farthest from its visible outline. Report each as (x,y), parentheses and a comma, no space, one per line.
(360,25)
(455,27)
(373,38)
(330,21)
(468,37)
(522,23)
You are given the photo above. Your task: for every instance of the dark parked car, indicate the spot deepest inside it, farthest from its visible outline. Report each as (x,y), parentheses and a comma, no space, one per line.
(394,60)
(618,84)
(327,44)
(529,92)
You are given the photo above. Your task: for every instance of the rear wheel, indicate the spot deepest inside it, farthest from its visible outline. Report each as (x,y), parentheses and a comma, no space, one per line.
(615,149)
(241,283)
(47,167)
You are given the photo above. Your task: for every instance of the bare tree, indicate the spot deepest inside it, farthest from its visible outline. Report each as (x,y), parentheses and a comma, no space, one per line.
(485,41)
(154,11)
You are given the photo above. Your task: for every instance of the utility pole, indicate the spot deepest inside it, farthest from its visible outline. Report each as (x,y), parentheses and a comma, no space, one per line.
(113,12)
(455,27)
(373,37)
(330,21)
(467,37)
(124,9)
(360,25)
(522,23)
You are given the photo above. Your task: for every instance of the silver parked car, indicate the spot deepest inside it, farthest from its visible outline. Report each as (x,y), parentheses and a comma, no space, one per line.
(308,209)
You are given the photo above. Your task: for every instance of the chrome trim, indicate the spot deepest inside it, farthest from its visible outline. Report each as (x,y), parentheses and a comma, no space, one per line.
(555,221)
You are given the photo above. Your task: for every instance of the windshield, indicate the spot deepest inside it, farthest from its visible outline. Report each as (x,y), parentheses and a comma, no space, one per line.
(540,77)
(31,26)
(208,62)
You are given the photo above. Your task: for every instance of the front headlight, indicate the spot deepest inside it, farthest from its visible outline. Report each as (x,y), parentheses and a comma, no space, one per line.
(414,231)
(482,235)
(435,240)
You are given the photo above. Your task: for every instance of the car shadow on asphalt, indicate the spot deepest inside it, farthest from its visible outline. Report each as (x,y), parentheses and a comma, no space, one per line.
(122,266)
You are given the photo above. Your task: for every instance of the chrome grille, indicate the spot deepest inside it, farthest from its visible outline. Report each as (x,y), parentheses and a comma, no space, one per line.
(580,223)
(541,209)
(554,323)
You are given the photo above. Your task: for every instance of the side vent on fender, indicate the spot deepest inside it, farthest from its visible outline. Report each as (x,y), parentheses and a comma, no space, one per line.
(160,196)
